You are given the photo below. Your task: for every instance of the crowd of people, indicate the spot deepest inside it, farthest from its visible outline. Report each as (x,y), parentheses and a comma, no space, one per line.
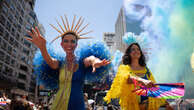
(91,104)
(23,103)
(18,102)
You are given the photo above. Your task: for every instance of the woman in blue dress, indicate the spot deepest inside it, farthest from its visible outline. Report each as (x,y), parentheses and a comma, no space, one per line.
(71,71)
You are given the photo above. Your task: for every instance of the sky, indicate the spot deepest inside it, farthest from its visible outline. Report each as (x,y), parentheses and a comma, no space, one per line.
(101,14)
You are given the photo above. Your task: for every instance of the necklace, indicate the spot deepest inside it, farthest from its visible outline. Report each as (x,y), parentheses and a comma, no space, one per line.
(69,62)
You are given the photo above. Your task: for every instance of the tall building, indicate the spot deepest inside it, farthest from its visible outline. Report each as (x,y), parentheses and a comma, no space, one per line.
(108,38)
(126,23)
(16,53)
(120,29)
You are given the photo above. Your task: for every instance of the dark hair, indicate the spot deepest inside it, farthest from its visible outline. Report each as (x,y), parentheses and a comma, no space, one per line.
(127,58)
(70,33)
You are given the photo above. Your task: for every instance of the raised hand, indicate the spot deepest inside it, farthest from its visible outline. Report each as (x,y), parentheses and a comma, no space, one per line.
(40,42)
(37,38)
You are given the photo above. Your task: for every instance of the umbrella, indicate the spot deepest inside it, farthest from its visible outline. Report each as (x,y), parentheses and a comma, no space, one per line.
(162,90)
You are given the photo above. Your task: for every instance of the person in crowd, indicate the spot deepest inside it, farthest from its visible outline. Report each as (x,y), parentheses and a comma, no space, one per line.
(73,69)
(20,104)
(133,70)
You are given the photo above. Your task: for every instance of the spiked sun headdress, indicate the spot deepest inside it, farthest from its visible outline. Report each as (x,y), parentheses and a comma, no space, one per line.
(74,28)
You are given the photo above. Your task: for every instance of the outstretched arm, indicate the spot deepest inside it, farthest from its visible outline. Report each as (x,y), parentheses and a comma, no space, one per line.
(141,81)
(40,42)
(95,62)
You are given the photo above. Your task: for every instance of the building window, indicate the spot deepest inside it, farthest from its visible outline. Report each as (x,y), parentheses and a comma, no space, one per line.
(20,20)
(4,45)
(8,26)
(22,76)
(6,37)
(2,20)
(19,27)
(1,30)
(18,7)
(32,14)
(5,10)
(24,68)
(7,60)
(26,43)
(28,27)
(23,4)
(13,32)
(13,9)
(8,70)
(16,15)
(10,17)
(30,21)
(11,41)
(1,66)
(14,53)
(22,39)
(13,62)
(9,48)
(26,51)
(16,44)
(14,24)
(22,13)
(18,36)
(2,54)
(23,58)
(21,85)
(8,2)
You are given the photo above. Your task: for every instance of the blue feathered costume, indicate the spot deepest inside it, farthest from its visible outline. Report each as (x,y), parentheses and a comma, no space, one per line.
(70,84)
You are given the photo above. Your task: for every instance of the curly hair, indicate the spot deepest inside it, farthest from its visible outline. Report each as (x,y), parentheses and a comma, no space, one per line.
(127,58)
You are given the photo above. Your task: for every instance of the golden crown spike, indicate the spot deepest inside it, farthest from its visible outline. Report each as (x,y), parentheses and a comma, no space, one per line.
(67,23)
(74,17)
(83,28)
(77,24)
(60,26)
(63,23)
(74,28)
